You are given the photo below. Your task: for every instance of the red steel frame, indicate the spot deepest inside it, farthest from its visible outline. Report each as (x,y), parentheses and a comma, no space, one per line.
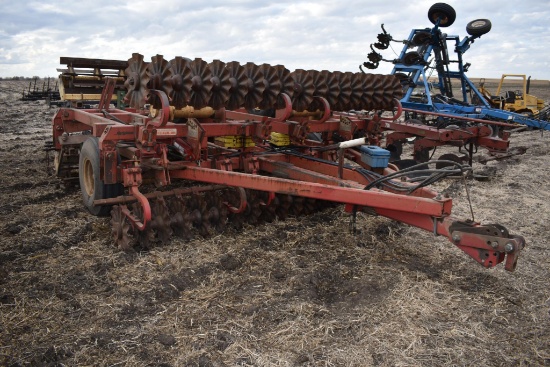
(133,146)
(425,136)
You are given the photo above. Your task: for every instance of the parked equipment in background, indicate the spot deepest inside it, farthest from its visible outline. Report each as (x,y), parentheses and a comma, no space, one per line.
(517,100)
(82,80)
(427,50)
(47,92)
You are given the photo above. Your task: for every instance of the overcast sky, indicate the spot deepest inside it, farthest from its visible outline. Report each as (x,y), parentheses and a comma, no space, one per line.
(317,34)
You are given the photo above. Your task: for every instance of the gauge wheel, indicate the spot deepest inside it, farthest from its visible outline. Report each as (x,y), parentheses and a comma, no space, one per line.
(478,27)
(91,185)
(442,13)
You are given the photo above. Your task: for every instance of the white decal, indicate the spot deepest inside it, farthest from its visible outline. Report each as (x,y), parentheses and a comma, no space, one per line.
(167,132)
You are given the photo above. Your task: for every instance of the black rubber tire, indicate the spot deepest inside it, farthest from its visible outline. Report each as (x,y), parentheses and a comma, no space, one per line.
(443,12)
(478,27)
(91,186)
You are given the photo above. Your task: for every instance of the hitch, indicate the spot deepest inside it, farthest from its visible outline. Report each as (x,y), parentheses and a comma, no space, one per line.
(488,244)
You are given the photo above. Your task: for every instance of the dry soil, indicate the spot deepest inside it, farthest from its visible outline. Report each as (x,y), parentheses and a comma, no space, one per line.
(300,292)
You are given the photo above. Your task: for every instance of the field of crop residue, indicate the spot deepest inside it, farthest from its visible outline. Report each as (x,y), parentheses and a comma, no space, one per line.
(299,292)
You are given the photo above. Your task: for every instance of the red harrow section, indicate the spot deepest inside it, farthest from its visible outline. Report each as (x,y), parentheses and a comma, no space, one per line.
(223,144)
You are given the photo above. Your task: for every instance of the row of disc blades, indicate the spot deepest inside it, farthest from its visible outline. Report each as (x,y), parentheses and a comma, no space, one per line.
(232,86)
(205,214)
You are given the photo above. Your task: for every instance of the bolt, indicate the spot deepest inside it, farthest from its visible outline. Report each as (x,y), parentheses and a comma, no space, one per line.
(494,244)
(509,247)
(456,237)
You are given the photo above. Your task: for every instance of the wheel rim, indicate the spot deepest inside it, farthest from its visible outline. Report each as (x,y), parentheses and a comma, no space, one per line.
(443,19)
(89,186)
(478,24)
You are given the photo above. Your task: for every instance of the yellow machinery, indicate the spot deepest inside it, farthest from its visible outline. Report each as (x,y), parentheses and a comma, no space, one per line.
(83,80)
(519,101)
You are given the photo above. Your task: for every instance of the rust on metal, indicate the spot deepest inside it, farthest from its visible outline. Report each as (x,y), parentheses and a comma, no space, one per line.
(225,142)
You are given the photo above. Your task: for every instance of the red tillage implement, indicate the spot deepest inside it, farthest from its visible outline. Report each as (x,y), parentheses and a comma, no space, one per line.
(214,159)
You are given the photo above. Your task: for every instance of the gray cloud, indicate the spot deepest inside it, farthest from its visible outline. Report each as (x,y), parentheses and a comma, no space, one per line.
(298,34)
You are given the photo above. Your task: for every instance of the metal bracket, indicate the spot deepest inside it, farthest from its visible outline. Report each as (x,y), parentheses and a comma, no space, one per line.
(132,179)
(488,244)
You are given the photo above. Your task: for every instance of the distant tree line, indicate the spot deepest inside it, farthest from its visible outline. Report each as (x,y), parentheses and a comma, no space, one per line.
(21,77)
